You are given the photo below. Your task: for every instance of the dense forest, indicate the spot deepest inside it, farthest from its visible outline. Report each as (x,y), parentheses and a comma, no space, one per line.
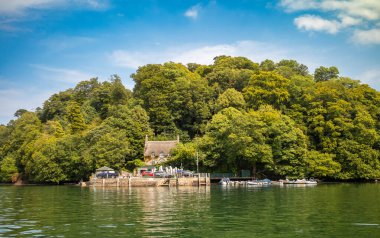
(275,119)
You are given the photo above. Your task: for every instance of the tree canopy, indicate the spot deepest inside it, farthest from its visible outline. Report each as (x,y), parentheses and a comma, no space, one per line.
(272,118)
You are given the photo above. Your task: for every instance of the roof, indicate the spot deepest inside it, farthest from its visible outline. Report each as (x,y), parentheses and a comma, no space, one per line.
(105,168)
(158,147)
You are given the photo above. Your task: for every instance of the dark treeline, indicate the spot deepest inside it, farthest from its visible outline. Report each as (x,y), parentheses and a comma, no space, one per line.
(275,119)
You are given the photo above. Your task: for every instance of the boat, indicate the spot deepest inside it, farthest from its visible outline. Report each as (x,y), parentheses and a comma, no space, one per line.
(279,183)
(265,181)
(262,182)
(224,181)
(300,181)
(255,183)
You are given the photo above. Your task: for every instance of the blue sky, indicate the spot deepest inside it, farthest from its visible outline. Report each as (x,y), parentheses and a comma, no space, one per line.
(48,46)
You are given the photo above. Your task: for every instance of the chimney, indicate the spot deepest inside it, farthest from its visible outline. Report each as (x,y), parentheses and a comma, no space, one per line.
(146,138)
(177,138)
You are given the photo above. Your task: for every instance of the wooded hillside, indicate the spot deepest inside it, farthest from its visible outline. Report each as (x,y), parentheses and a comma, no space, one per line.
(277,119)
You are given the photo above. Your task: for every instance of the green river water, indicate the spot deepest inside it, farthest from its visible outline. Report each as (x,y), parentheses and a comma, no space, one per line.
(326,210)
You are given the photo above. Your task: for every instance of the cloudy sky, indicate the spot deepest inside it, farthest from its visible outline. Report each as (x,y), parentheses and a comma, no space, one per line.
(48,46)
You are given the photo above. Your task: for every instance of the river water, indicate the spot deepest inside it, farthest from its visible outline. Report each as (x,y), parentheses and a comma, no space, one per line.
(330,210)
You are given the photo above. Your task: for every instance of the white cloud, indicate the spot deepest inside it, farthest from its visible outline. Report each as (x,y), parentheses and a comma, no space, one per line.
(256,51)
(193,11)
(298,5)
(19,7)
(371,77)
(347,21)
(359,16)
(69,76)
(316,23)
(367,9)
(16,11)
(367,36)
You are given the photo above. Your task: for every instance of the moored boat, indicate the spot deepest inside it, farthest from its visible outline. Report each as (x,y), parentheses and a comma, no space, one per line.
(255,183)
(224,181)
(300,181)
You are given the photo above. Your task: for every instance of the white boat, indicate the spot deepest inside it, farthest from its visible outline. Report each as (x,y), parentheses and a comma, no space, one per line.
(255,183)
(224,181)
(300,181)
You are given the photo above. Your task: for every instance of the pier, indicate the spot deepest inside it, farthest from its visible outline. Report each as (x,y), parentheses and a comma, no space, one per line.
(202,179)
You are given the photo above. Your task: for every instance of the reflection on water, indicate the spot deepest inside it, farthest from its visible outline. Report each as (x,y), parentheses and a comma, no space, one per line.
(341,210)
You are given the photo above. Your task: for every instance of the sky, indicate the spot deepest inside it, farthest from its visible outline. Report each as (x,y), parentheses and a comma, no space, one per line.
(48,46)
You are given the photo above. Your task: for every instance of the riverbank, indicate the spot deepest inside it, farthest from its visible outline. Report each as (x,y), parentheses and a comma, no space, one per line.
(201,180)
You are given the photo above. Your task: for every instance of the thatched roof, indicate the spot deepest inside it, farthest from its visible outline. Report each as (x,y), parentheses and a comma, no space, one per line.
(158,147)
(105,168)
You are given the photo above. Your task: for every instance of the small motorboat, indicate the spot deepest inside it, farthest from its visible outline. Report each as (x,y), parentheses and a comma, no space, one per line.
(300,181)
(254,183)
(224,181)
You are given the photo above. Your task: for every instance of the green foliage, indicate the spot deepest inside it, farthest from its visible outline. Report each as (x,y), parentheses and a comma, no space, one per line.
(230,98)
(184,155)
(75,117)
(324,74)
(230,72)
(265,139)
(174,97)
(272,118)
(267,65)
(8,169)
(110,150)
(294,67)
(19,112)
(266,88)
(321,165)
(132,164)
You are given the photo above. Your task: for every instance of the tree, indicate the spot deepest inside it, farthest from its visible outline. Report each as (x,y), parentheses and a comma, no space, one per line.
(324,74)
(321,165)
(119,94)
(75,117)
(54,107)
(263,139)
(266,88)
(294,67)
(193,66)
(19,112)
(84,90)
(110,150)
(271,118)
(25,131)
(43,165)
(173,97)
(267,65)
(184,155)
(230,72)
(8,170)
(230,98)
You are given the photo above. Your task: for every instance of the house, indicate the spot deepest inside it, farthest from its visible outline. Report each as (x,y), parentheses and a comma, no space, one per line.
(157,152)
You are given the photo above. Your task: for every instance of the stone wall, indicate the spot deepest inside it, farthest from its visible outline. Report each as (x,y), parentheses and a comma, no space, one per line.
(148,182)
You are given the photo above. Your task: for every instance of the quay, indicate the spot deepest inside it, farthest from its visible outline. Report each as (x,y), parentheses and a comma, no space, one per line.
(202,179)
